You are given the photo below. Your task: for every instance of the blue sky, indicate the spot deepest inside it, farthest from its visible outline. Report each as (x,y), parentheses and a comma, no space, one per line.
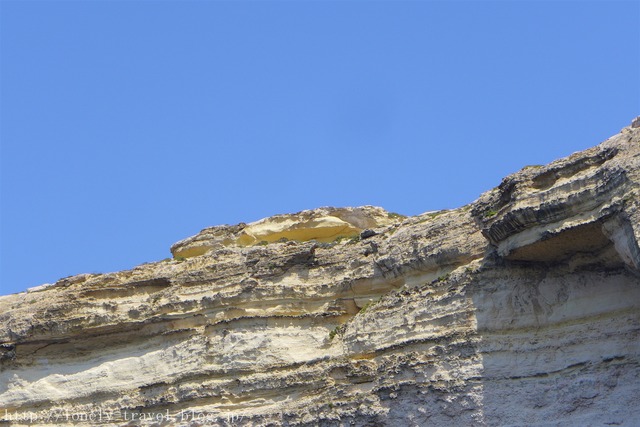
(129,125)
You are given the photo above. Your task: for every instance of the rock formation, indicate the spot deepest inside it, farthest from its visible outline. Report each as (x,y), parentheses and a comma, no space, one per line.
(521,308)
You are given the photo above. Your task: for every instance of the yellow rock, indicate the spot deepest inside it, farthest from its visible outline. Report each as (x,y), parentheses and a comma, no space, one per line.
(323,224)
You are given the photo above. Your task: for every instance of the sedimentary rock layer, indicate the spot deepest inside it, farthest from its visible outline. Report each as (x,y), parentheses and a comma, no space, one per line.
(521,308)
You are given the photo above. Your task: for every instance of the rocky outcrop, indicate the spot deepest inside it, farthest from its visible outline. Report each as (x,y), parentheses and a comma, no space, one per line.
(522,308)
(322,225)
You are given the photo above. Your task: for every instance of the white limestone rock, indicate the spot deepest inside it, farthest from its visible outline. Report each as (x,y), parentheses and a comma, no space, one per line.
(522,308)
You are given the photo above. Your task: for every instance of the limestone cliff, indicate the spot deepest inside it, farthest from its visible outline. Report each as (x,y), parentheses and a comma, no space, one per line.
(521,308)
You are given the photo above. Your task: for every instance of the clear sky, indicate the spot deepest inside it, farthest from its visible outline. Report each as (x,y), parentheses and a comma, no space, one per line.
(129,125)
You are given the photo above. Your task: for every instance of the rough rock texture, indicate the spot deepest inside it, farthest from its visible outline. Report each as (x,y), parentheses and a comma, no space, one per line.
(323,225)
(522,308)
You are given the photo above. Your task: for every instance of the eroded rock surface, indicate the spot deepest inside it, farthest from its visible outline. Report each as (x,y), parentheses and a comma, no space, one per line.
(322,225)
(522,308)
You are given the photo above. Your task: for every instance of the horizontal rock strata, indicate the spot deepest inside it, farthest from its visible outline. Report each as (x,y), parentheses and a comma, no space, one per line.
(521,308)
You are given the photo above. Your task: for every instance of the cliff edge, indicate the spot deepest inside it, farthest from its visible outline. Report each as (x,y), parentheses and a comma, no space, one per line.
(521,308)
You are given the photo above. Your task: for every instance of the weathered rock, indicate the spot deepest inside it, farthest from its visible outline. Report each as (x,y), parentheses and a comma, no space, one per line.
(322,225)
(522,308)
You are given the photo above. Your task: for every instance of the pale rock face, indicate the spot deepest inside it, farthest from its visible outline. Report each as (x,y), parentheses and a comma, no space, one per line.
(522,308)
